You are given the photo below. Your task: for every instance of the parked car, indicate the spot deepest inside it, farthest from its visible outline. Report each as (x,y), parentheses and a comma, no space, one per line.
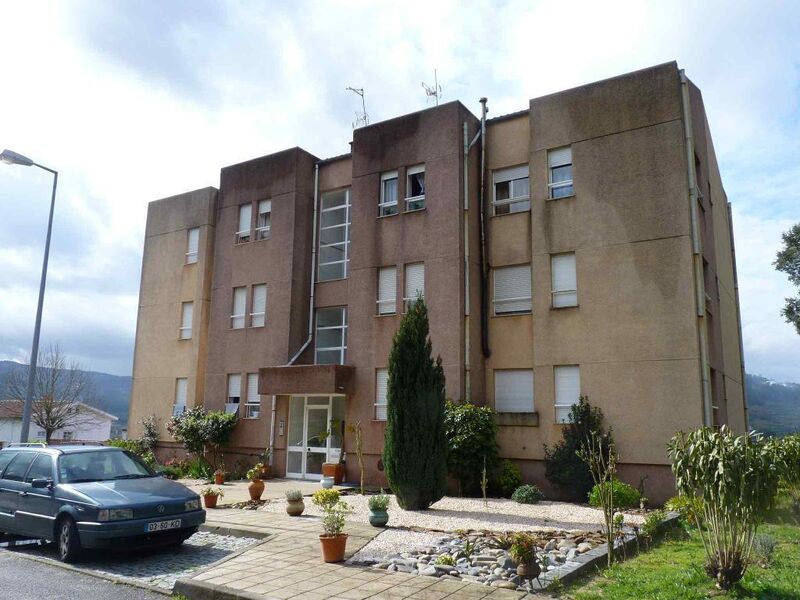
(92,497)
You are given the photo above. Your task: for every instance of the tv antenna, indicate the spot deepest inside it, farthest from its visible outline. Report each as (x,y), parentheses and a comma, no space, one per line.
(434,91)
(362,118)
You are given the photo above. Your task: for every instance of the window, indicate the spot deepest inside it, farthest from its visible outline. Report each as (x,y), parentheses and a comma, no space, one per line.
(40,434)
(239,301)
(331,341)
(245,218)
(187,311)
(234,393)
(264,219)
(415,284)
(334,235)
(513,390)
(192,244)
(387,290)
(381,388)
(42,467)
(68,436)
(252,409)
(19,466)
(5,458)
(388,203)
(565,282)
(512,290)
(415,187)
(181,385)
(560,162)
(568,390)
(259,307)
(512,190)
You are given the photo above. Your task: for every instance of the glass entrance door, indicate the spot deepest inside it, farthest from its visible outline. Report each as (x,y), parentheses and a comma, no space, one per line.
(310,435)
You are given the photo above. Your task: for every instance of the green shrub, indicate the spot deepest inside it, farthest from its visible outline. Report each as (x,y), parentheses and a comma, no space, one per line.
(624,495)
(199,469)
(763,548)
(508,480)
(689,509)
(325,498)
(378,502)
(652,523)
(171,472)
(789,452)
(134,446)
(294,495)
(471,439)
(199,430)
(527,494)
(445,559)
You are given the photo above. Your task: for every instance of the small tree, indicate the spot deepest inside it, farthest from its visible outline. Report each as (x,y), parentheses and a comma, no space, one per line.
(415,447)
(471,433)
(788,261)
(200,431)
(149,437)
(790,471)
(356,430)
(600,455)
(563,467)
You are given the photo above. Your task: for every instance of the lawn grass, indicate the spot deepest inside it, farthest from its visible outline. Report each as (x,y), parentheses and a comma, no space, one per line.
(673,570)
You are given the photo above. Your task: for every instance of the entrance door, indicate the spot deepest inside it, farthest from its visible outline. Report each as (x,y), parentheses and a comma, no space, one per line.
(317,438)
(310,435)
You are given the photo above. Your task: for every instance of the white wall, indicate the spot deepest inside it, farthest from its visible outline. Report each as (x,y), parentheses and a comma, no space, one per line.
(99,430)
(9,431)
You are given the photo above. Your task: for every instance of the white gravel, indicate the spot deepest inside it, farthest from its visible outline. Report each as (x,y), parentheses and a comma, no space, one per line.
(450,514)
(393,540)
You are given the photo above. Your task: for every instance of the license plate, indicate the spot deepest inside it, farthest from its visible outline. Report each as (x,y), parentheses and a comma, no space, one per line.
(163,525)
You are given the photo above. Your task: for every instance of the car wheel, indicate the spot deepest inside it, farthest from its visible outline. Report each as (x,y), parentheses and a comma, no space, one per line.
(69,543)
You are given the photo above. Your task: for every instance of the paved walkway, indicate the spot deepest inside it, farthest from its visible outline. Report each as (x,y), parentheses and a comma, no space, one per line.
(288,564)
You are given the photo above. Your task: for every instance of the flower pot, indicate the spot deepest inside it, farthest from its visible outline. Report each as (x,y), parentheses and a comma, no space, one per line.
(333,547)
(256,488)
(210,501)
(295,509)
(378,518)
(335,470)
(326,482)
(529,570)
(219,478)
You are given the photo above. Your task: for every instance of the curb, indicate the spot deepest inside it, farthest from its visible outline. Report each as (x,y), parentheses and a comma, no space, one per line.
(235,531)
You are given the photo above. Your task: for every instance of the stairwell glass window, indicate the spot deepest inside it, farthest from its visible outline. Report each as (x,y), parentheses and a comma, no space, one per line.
(187,311)
(245,217)
(252,407)
(565,280)
(513,390)
(560,163)
(512,190)
(415,187)
(512,290)
(568,390)
(192,245)
(331,338)
(381,390)
(414,284)
(387,290)
(181,386)
(238,309)
(264,219)
(334,235)
(388,202)
(258,316)
(234,393)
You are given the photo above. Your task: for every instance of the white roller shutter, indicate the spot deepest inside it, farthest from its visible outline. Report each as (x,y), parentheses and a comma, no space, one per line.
(415,281)
(513,390)
(568,390)
(381,389)
(502,175)
(512,289)
(252,388)
(565,280)
(560,157)
(387,290)
(245,218)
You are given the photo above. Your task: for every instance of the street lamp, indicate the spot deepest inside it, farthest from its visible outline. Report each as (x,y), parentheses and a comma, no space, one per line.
(12,158)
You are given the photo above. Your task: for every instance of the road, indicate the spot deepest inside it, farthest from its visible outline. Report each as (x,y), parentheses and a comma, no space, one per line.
(26,579)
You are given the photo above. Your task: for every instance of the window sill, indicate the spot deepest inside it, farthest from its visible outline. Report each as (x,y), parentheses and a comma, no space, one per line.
(258,326)
(511,214)
(513,314)
(381,315)
(548,199)
(415,210)
(565,307)
(331,280)
(387,216)
(507,419)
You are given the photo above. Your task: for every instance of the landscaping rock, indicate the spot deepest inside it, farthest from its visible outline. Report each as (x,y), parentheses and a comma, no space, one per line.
(429,571)
(584,547)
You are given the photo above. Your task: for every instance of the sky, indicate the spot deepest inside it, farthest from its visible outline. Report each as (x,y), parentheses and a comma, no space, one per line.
(132,101)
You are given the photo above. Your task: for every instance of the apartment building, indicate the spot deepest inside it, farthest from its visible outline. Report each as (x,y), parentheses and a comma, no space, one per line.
(582,246)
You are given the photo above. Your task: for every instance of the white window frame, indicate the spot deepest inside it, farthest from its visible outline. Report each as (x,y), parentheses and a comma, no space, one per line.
(516,203)
(192,245)
(557,158)
(263,230)
(387,299)
(415,202)
(500,302)
(233,401)
(258,318)
(238,318)
(410,296)
(561,405)
(346,243)
(521,403)
(252,407)
(384,206)
(342,326)
(381,385)
(178,407)
(243,235)
(185,330)
(561,297)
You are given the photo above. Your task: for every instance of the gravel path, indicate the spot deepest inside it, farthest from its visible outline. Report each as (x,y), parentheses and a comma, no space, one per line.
(450,514)
(393,540)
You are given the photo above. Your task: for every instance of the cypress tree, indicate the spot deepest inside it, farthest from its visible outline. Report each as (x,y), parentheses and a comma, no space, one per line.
(415,446)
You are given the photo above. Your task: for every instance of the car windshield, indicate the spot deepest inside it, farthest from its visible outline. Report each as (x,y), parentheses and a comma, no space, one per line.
(105,465)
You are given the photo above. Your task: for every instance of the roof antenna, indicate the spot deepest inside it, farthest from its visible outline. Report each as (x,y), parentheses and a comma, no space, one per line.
(362,118)
(436,91)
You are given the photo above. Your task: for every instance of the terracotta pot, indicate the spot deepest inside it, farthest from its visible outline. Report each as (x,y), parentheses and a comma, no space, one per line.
(333,547)
(256,488)
(295,509)
(219,478)
(335,470)
(378,518)
(210,501)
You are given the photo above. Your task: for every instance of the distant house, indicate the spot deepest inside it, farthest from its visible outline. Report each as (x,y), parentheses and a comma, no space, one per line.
(95,428)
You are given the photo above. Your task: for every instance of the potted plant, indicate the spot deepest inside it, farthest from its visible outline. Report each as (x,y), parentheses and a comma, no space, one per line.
(219,477)
(210,496)
(256,487)
(378,505)
(264,462)
(334,470)
(294,503)
(334,510)
(523,552)
(326,482)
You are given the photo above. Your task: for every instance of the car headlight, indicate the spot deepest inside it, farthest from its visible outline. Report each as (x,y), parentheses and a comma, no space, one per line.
(192,504)
(115,514)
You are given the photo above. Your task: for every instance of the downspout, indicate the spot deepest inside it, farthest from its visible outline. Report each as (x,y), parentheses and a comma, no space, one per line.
(467,320)
(312,288)
(738,317)
(697,254)
(481,218)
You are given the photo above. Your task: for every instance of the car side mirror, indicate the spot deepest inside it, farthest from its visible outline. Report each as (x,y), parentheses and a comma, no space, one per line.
(41,483)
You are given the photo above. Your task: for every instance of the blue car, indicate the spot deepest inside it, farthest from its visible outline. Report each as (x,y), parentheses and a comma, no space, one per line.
(92,497)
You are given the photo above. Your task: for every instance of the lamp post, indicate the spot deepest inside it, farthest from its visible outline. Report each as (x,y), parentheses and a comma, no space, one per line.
(12,158)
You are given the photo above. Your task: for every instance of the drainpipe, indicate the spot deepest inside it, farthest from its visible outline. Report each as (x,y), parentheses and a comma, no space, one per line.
(738,318)
(697,254)
(481,218)
(467,366)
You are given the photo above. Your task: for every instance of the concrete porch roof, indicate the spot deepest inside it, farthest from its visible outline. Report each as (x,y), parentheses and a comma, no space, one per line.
(306,379)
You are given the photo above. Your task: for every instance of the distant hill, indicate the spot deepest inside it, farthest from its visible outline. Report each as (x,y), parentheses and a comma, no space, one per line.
(113,391)
(774,407)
